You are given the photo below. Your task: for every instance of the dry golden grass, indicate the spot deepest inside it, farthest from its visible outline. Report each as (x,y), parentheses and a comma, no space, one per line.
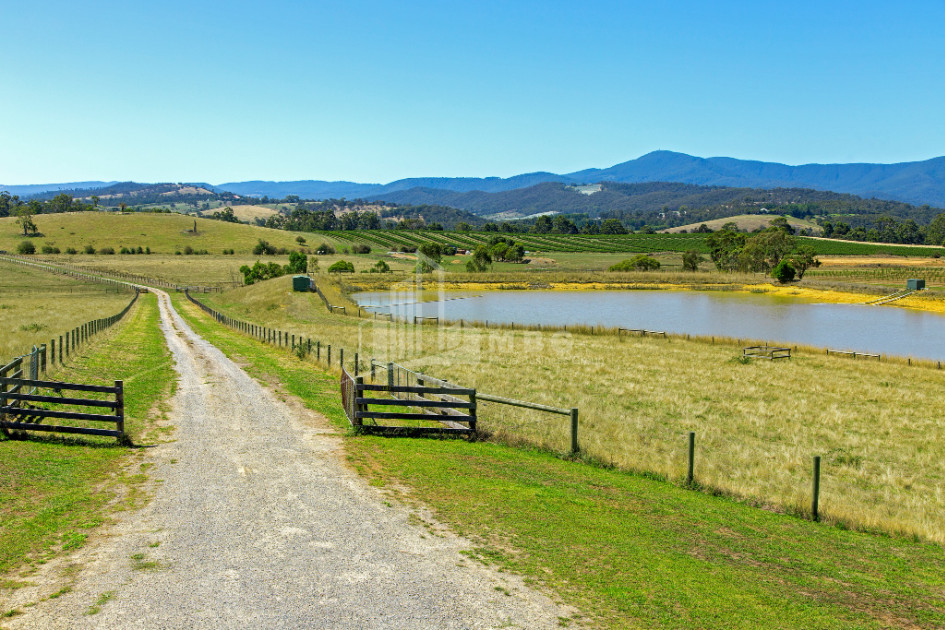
(748,222)
(879,260)
(193,270)
(36,306)
(246,212)
(757,424)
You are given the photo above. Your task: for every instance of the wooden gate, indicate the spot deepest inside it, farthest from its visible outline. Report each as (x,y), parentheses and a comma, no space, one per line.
(24,408)
(438,408)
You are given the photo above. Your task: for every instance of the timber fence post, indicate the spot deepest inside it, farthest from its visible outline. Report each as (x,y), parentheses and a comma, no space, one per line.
(692,453)
(120,407)
(574,430)
(815,498)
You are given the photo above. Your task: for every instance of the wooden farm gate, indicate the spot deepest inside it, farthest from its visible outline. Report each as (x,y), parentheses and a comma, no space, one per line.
(20,396)
(429,406)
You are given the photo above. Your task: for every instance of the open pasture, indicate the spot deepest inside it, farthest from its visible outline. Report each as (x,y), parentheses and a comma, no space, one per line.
(758,424)
(36,306)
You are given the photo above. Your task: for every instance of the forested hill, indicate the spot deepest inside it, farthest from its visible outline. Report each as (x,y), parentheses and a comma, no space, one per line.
(660,203)
(134,193)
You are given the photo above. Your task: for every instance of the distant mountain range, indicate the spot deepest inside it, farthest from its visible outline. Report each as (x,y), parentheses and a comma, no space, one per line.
(911,182)
(29,190)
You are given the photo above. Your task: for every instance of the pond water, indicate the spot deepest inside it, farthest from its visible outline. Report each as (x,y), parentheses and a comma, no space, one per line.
(874,329)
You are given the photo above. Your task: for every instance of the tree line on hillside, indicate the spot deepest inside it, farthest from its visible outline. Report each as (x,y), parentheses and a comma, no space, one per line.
(886,229)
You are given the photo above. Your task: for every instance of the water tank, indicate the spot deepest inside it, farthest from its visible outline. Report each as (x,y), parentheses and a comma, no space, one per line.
(304,283)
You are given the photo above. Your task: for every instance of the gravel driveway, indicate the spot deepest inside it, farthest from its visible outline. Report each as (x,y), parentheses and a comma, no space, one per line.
(257,523)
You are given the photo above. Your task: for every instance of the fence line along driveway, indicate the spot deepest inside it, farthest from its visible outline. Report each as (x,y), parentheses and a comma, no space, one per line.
(258,523)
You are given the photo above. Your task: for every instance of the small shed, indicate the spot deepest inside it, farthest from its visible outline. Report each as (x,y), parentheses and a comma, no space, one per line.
(915,284)
(301,283)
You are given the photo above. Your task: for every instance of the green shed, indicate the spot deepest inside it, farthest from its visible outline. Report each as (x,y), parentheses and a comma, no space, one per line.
(301,283)
(915,284)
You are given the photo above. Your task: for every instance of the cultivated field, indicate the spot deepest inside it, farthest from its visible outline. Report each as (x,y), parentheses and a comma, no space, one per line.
(757,424)
(36,306)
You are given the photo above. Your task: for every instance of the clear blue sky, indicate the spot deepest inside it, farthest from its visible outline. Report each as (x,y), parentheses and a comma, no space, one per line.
(376,91)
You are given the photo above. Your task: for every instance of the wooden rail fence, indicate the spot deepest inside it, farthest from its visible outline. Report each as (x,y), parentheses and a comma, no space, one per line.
(766,352)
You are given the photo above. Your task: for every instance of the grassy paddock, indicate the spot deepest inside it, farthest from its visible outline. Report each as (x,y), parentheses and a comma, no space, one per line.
(54,492)
(163,233)
(757,424)
(36,306)
(627,550)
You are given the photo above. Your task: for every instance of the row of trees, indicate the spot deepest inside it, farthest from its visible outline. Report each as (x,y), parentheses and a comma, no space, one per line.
(887,229)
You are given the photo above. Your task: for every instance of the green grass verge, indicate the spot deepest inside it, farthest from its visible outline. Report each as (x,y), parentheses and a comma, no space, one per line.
(628,550)
(54,492)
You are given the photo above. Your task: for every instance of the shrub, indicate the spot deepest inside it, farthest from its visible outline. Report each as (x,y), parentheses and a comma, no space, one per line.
(49,249)
(361,248)
(125,250)
(298,263)
(691,260)
(380,267)
(640,262)
(263,247)
(26,247)
(188,251)
(108,251)
(783,272)
(300,240)
(408,249)
(433,251)
(89,249)
(324,249)
(147,250)
(71,250)
(341,267)
(261,271)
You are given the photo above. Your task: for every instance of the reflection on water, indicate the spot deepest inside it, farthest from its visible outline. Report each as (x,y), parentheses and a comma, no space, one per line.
(876,329)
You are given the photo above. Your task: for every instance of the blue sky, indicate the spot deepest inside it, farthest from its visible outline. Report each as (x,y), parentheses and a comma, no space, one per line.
(377,91)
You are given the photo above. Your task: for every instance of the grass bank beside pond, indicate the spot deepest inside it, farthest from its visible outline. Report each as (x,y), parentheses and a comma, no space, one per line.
(758,424)
(54,492)
(627,550)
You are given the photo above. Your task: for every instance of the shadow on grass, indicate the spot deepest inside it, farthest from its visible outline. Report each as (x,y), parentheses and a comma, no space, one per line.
(62,440)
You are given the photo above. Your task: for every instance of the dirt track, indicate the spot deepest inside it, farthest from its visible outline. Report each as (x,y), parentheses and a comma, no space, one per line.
(257,523)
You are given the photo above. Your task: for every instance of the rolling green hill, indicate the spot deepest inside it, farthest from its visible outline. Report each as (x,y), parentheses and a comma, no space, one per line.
(163,233)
